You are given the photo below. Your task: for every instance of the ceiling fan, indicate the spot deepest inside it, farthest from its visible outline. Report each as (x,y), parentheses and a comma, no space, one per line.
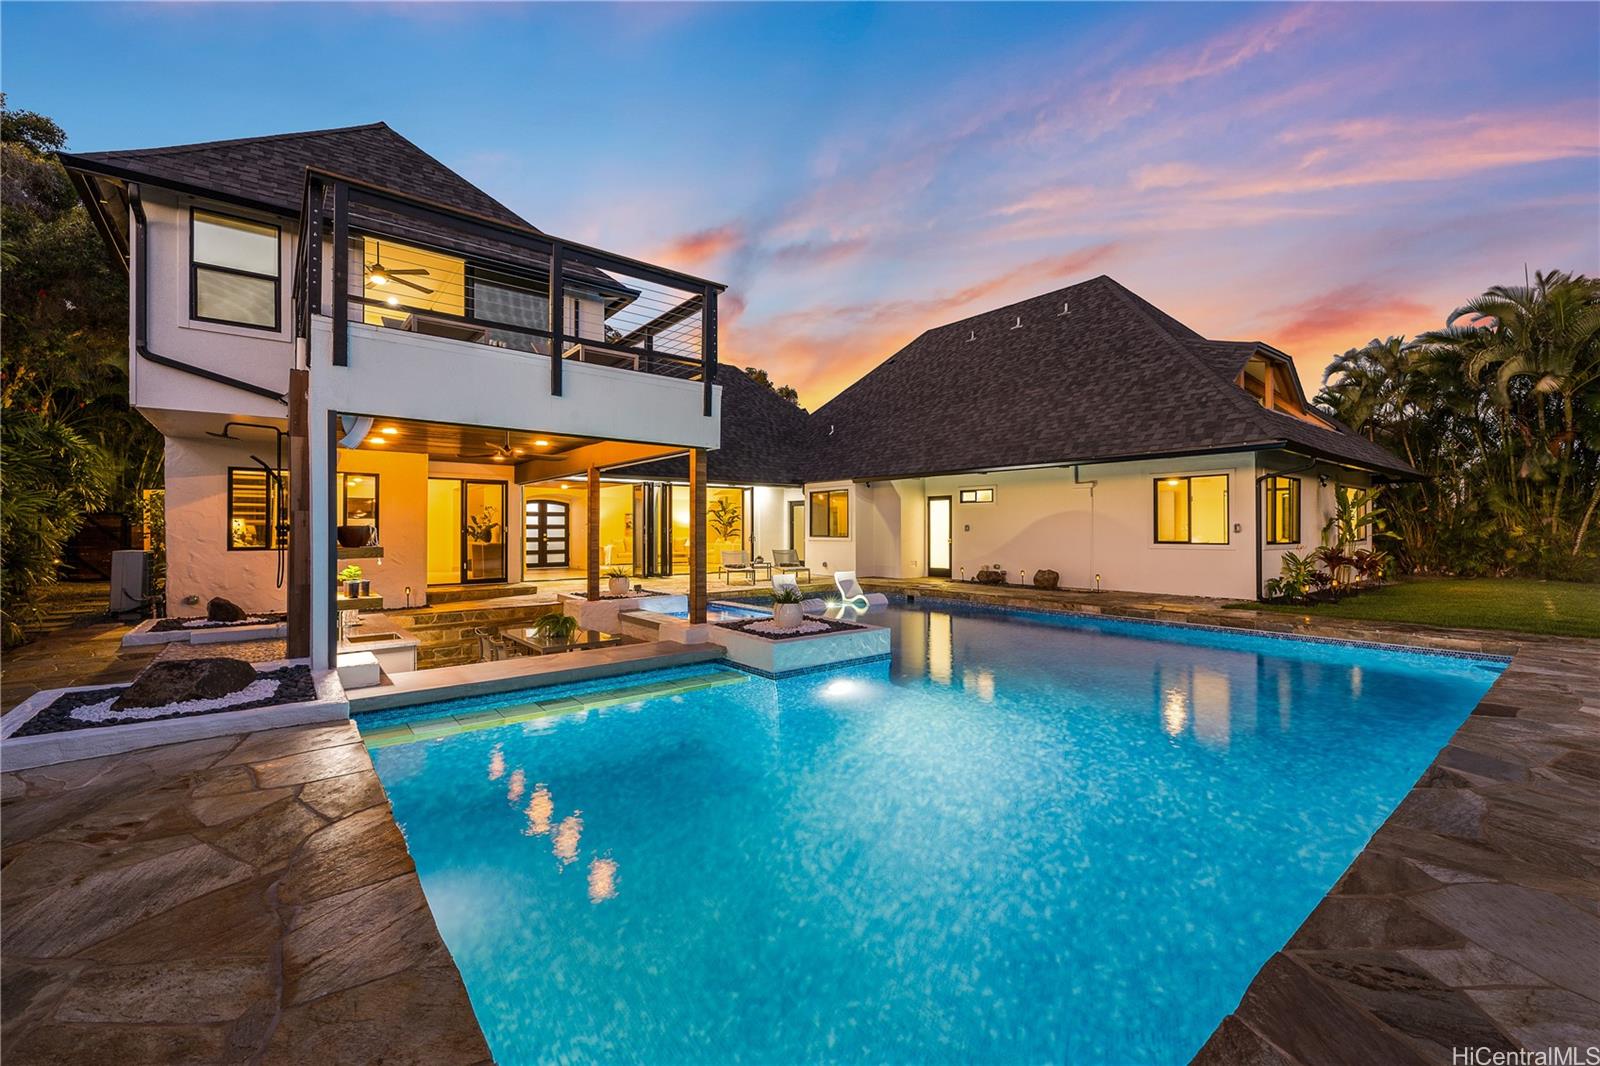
(378,274)
(506,453)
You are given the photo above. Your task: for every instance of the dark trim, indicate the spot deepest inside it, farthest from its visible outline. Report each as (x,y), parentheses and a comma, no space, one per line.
(1188,493)
(961,494)
(195,266)
(341,276)
(927,540)
(330,541)
(1270,511)
(377,502)
(1001,467)
(708,350)
(116,245)
(811,514)
(111,170)
(272,526)
(557,310)
(545,507)
(461,519)
(141,315)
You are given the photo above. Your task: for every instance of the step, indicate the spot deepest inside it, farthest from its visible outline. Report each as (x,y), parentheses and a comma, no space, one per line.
(464,593)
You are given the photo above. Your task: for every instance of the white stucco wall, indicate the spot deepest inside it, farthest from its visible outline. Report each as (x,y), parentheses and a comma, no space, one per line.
(402,523)
(1043,519)
(261,357)
(199,564)
(770,518)
(1318,501)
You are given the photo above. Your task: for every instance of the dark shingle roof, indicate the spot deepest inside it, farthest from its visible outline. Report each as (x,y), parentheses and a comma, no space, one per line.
(270,171)
(764,438)
(1115,379)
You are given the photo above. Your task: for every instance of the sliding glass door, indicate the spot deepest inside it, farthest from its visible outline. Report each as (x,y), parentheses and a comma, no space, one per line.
(466,531)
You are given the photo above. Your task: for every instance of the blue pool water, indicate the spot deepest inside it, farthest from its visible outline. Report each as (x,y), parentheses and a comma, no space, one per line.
(1026,839)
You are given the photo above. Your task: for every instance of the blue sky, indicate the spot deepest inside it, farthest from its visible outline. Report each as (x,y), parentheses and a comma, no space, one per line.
(1311,176)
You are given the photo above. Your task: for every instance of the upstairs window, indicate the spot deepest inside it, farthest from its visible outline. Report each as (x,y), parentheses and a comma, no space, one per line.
(1283,510)
(233,271)
(830,513)
(1192,510)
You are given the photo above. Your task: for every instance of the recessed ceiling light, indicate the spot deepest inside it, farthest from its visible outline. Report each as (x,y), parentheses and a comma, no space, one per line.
(516,451)
(541,444)
(498,458)
(376,440)
(388,431)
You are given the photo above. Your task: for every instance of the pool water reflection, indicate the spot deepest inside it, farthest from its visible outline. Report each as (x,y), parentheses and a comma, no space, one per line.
(1024,839)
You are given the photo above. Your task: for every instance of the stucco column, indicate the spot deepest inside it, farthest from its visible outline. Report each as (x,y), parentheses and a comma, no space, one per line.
(592,535)
(697,536)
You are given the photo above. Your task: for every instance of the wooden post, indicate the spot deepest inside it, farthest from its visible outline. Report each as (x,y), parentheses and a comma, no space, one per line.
(592,535)
(299,576)
(697,535)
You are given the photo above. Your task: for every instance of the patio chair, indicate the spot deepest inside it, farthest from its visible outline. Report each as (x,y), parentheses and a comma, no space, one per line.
(492,647)
(851,592)
(788,561)
(737,563)
(787,583)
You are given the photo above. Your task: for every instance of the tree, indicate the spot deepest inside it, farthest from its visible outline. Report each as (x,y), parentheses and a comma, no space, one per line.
(63,362)
(1500,409)
(761,377)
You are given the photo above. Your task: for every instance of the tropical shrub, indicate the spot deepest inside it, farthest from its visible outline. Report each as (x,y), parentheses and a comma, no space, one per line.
(50,479)
(555,626)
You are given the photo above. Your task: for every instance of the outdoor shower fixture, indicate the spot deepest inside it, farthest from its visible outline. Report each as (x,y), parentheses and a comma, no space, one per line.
(275,485)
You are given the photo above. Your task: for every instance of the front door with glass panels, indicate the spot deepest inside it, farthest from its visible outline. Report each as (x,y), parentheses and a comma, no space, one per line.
(938,536)
(545,534)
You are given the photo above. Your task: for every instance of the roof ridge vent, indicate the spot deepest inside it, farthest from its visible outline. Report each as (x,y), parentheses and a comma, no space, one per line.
(1066,308)
(1018,323)
(972,335)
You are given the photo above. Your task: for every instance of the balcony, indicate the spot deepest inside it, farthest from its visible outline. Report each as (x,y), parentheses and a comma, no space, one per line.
(378,266)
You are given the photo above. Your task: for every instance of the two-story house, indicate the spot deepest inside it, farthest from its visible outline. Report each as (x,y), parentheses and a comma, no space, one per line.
(336,334)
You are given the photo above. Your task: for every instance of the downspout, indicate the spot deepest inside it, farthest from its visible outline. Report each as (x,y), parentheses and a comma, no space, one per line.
(1092,483)
(141,316)
(1261,525)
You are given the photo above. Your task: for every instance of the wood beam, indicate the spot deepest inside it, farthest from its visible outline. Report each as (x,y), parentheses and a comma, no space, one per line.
(592,536)
(299,577)
(697,536)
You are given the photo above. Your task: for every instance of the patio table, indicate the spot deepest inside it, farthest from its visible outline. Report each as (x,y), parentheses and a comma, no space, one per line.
(531,639)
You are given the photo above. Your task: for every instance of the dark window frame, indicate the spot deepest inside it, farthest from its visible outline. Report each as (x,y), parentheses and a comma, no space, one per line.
(195,267)
(272,526)
(1340,492)
(1273,487)
(1188,491)
(344,499)
(962,494)
(811,514)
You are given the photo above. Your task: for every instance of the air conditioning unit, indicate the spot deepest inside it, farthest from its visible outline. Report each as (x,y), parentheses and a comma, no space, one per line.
(130,581)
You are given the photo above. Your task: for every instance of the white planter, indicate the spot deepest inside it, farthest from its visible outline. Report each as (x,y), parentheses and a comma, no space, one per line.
(617,586)
(788,615)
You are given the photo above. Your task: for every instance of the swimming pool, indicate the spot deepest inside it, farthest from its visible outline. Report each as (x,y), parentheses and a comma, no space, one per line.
(1028,838)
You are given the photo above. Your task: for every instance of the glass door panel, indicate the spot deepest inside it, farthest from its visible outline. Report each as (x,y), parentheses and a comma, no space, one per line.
(545,540)
(444,531)
(938,536)
(484,523)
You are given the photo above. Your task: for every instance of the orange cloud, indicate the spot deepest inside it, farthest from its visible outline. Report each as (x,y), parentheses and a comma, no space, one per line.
(694,250)
(1316,329)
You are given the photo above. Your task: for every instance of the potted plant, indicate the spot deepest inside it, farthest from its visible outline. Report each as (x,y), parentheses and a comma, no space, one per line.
(350,576)
(556,628)
(786,610)
(617,581)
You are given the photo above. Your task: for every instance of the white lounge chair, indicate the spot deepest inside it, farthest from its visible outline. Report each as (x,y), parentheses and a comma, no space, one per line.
(851,592)
(737,563)
(787,583)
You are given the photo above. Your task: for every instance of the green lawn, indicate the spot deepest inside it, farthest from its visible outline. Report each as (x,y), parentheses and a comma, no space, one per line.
(1560,608)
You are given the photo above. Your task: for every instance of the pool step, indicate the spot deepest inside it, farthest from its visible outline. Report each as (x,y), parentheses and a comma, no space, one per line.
(469,721)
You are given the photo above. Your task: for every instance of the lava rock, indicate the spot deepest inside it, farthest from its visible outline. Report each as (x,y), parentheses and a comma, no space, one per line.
(221,610)
(1046,579)
(181,680)
(991,577)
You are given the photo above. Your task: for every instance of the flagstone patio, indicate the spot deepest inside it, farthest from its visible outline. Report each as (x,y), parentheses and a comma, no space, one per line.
(239,899)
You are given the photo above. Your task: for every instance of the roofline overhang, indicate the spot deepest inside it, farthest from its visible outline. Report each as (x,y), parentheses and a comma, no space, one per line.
(1058,464)
(98,217)
(111,170)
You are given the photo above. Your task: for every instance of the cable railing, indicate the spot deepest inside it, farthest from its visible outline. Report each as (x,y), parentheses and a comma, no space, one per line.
(399,262)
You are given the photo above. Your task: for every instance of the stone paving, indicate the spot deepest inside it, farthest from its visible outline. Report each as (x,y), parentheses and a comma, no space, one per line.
(1472,918)
(239,899)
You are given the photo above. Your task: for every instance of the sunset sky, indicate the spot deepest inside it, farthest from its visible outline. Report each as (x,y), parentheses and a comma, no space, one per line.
(1311,176)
